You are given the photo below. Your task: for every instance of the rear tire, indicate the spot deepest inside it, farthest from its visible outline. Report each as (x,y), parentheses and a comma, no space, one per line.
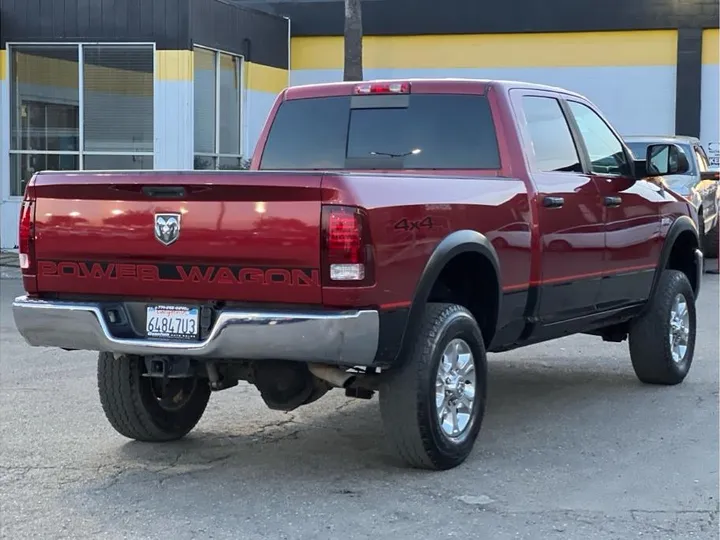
(662,340)
(136,409)
(428,386)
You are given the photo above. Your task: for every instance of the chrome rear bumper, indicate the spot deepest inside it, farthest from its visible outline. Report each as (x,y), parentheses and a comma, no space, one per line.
(340,337)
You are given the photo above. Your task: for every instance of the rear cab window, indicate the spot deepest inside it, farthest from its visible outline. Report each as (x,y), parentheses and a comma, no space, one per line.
(410,131)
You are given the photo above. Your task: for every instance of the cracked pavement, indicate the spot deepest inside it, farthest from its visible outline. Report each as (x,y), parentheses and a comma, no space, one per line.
(572,446)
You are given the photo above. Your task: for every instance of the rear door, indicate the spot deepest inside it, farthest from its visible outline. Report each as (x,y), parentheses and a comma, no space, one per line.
(568,207)
(632,211)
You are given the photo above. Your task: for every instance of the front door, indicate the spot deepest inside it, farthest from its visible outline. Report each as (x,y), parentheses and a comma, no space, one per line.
(569,212)
(631,212)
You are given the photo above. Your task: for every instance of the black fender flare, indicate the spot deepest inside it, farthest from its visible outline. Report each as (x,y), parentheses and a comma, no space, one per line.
(454,244)
(681,225)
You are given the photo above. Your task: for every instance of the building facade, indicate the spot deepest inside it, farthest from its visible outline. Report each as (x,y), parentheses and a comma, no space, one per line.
(183,84)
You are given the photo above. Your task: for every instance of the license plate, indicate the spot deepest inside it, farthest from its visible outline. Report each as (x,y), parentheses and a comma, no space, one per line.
(172,322)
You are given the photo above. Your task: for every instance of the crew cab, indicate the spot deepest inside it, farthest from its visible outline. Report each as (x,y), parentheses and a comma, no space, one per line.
(388,235)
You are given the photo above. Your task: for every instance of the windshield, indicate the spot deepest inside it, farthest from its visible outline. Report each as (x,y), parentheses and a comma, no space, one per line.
(421,131)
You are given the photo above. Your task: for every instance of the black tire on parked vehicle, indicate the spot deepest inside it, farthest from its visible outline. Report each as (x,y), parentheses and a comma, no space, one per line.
(141,408)
(662,340)
(446,362)
(710,242)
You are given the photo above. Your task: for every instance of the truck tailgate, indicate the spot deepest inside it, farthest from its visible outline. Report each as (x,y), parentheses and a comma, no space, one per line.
(235,236)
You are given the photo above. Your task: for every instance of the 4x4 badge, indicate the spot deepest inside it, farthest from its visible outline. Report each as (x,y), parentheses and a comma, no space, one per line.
(167,228)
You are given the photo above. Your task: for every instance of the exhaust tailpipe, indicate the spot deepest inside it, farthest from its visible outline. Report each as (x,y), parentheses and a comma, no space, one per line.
(335,376)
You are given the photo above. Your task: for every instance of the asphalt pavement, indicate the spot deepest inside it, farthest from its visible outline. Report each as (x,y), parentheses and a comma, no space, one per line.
(572,447)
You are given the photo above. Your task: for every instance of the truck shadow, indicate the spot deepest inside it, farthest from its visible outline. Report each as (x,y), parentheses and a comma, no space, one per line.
(528,404)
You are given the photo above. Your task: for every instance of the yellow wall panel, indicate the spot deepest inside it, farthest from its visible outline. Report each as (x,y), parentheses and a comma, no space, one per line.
(263,78)
(711,46)
(174,65)
(494,50)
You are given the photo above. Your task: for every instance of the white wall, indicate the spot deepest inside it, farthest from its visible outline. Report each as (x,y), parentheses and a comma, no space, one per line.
(710,112)
(9,210)
(257,110)
(174,124)
(263,84)
(9,216)
(710,97)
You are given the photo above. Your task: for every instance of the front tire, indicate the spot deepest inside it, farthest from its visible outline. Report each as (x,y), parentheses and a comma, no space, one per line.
(662,340)
(433,404)
(141,408)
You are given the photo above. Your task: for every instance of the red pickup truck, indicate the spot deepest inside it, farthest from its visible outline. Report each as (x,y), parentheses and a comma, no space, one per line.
(386,237)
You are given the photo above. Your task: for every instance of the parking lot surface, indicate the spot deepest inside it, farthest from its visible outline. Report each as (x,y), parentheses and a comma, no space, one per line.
(572,446)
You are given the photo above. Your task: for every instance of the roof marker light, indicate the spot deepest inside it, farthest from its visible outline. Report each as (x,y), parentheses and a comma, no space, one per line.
(383,88)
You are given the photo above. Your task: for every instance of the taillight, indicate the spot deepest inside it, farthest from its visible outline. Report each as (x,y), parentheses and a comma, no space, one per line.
(383,88)
(347,251)
(26,234)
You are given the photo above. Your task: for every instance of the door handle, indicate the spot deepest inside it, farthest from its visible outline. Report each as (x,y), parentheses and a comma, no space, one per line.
(553,202)
(613,201)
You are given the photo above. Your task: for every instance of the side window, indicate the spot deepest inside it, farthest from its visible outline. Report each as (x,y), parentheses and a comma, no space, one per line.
(605,149)
(552,142)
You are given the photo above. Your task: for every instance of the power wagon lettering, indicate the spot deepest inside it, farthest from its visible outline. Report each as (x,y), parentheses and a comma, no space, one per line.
(216,275)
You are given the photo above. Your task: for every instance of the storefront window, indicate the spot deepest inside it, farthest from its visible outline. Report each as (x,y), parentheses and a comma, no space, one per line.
(218,110)
(118,98)
(44,123)
(77,107)
(205,96)
(230,100)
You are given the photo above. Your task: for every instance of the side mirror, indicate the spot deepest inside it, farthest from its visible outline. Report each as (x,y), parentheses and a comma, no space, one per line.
(666,159)
(710,175)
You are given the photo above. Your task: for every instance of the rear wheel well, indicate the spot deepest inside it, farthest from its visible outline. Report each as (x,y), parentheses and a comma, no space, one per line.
(682,257)
(469,280)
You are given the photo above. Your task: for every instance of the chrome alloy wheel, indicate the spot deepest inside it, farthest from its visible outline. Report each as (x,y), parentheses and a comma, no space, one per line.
(455,390)
(679,328)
